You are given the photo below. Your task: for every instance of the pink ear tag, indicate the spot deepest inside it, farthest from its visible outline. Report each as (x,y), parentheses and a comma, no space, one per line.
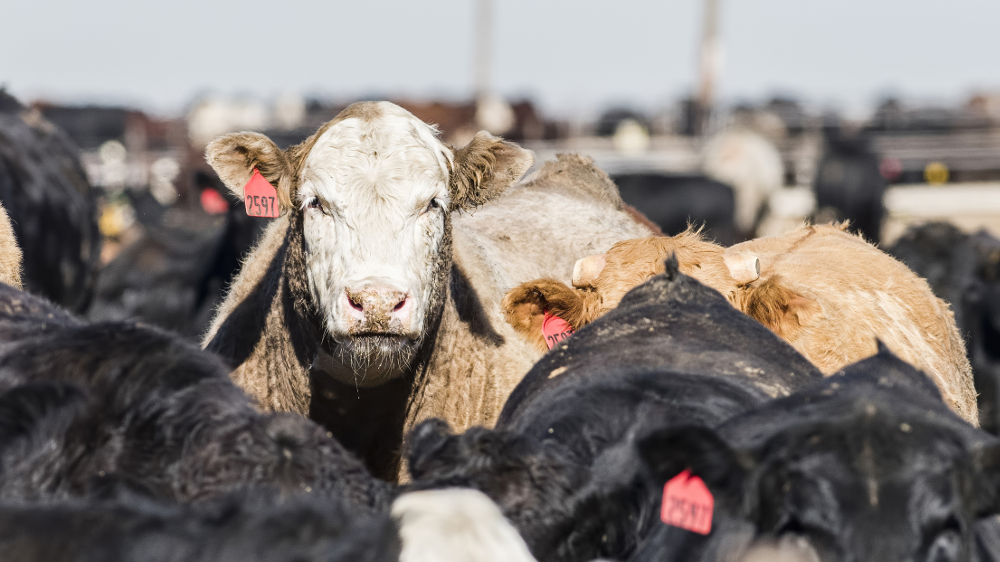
(260,197)
(687,503)
(555,329)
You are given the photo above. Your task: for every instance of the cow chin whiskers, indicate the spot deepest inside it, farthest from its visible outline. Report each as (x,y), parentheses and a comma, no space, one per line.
(379,355)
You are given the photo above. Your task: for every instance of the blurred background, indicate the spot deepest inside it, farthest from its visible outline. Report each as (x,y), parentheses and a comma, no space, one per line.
(744,116)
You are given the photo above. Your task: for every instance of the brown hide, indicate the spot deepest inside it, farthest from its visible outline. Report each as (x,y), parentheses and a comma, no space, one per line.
(827,292)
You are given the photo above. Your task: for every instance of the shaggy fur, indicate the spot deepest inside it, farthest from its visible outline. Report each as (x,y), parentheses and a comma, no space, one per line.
(560,461)
(273,333)
(827,292)
(238,528)
(867,465)
(91,403)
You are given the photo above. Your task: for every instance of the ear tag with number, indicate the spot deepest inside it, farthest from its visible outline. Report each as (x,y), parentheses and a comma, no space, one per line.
(260,197)
(555,329)
(687,503)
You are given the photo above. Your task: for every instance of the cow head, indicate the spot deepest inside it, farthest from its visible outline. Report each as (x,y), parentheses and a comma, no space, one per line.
(873,476)
(372,192)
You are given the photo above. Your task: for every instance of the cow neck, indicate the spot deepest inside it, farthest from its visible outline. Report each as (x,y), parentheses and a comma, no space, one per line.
(370,421)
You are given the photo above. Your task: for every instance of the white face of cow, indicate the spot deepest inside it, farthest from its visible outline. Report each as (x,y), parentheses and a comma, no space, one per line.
(374,188)
(374,196)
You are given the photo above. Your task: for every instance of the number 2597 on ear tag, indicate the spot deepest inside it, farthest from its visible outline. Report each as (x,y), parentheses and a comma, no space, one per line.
(260,197)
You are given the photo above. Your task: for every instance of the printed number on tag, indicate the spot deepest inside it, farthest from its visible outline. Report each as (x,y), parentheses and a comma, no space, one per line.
(260,197)
(687,503)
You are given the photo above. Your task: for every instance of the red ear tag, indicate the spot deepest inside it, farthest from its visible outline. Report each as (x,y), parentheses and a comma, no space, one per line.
(213,202)
(260,197)
(555,329)
(687,503)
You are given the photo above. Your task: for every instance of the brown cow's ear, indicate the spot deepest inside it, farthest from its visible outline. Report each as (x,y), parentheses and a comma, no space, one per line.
(235,156)
(525,306)
(778,307)
(587,270)
(484,169)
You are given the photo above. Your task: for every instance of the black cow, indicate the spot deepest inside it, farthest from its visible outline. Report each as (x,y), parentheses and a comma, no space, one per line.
(140,406)
(848,184)
(244,528)
(174,277)
(868,464)
(560,463)
(51,205)
(673,201)
(964,270)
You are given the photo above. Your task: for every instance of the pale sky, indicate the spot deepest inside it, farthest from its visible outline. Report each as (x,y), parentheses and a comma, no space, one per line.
(572,56)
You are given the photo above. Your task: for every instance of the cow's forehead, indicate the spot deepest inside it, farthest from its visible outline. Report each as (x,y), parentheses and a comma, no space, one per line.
(384,148)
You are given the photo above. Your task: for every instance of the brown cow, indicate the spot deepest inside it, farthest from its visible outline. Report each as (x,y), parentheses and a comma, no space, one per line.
(827,292)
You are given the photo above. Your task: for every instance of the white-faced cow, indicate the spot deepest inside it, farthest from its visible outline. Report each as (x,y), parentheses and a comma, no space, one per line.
(374,301)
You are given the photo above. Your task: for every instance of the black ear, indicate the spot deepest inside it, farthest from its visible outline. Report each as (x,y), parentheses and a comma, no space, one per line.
(484,169)
(669,452)
(431,445)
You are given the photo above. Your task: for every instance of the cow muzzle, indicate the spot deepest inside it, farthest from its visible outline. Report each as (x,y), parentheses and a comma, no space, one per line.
(377,308)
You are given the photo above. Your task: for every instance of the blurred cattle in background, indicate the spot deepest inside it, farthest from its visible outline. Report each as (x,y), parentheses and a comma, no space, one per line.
(673,201)
(752,166)
(964,269)
(51,205)
(849,184)
(174,275)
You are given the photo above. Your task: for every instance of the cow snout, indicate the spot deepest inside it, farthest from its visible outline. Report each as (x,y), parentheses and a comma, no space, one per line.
(379,308)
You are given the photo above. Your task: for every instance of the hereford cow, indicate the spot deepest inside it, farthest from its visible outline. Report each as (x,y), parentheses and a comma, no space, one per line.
(372,303)
(827,292)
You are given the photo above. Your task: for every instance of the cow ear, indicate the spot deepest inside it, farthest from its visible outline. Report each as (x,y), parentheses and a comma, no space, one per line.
(778,307)
(235,156)
(669,452)
(484,169)
(431,444)
(524,307)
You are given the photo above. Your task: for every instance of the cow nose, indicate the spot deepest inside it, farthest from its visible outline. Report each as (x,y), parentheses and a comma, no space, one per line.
(378,304)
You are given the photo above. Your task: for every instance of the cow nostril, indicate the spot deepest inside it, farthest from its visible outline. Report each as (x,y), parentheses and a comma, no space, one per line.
(399,305)
(354,304)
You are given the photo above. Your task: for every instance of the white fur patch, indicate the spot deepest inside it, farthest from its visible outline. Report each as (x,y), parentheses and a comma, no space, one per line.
(373,181)
(457,524)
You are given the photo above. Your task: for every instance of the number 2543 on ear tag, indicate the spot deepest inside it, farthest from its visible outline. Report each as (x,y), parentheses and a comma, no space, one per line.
(260,197)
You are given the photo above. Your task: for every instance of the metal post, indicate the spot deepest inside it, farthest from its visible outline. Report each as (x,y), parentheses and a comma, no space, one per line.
(484,48)
(709,62)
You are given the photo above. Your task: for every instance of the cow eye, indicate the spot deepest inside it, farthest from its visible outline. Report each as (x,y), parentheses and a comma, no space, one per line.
(432,204)
(314,203)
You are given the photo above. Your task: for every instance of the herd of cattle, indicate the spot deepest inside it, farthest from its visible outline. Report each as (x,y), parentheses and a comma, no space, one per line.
(427,356)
